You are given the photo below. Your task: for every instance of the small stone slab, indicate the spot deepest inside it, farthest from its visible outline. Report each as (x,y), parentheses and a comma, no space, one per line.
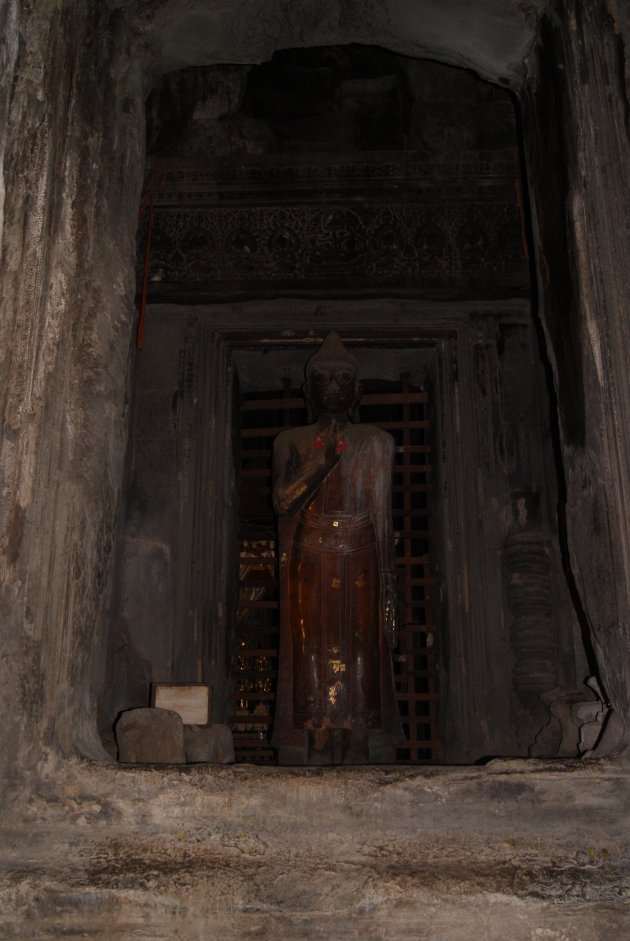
(212,744)
(150,736)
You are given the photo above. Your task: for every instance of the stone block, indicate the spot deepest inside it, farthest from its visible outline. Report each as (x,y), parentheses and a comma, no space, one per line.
(150,736)
(211,743)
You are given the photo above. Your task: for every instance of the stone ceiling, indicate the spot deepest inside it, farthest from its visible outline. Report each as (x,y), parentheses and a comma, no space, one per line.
(492,37)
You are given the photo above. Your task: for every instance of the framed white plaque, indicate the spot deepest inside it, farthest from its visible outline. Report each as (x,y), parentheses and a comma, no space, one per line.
(192,701)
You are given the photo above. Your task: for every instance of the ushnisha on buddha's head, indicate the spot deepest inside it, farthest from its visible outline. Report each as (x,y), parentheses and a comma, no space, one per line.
(332,384)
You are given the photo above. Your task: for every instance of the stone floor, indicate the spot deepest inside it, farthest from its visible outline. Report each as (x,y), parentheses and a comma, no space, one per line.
(517,851)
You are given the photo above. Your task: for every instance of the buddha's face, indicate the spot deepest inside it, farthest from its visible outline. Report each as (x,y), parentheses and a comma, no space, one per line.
(333,388)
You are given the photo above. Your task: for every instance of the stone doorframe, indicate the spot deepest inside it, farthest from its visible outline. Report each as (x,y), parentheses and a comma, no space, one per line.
(475,650)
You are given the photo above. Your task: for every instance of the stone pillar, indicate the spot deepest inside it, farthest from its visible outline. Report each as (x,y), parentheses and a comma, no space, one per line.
(72,172)
(576,130)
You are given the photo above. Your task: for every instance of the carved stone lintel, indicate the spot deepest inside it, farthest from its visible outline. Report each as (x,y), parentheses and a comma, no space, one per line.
(332,225)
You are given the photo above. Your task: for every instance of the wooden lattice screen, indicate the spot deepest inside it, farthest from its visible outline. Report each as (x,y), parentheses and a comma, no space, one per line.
(402,411)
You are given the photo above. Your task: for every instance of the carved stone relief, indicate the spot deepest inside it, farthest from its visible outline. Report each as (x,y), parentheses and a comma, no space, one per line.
(396,225)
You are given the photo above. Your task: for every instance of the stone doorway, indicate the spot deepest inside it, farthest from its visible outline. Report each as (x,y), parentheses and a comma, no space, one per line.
(179,555)
(296,209)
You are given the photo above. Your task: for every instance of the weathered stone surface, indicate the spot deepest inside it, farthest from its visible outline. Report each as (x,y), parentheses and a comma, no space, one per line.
(563,736)
(213,743)
(525,851)
(72,172)
(492,38)
(576,121)
(151,736)
(8,57)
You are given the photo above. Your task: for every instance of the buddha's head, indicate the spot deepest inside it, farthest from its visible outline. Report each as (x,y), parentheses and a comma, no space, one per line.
(332,381)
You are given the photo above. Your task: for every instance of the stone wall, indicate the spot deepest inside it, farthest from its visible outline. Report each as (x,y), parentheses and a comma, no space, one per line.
(576,130)
(173,601)
(8,56)
(72,173)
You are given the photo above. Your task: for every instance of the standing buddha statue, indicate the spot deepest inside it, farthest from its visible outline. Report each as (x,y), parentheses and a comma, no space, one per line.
(332,494)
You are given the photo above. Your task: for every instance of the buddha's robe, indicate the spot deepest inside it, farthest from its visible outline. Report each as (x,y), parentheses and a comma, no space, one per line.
(335,664)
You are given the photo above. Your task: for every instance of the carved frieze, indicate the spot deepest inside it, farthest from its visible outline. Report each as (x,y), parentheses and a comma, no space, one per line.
(394,225)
